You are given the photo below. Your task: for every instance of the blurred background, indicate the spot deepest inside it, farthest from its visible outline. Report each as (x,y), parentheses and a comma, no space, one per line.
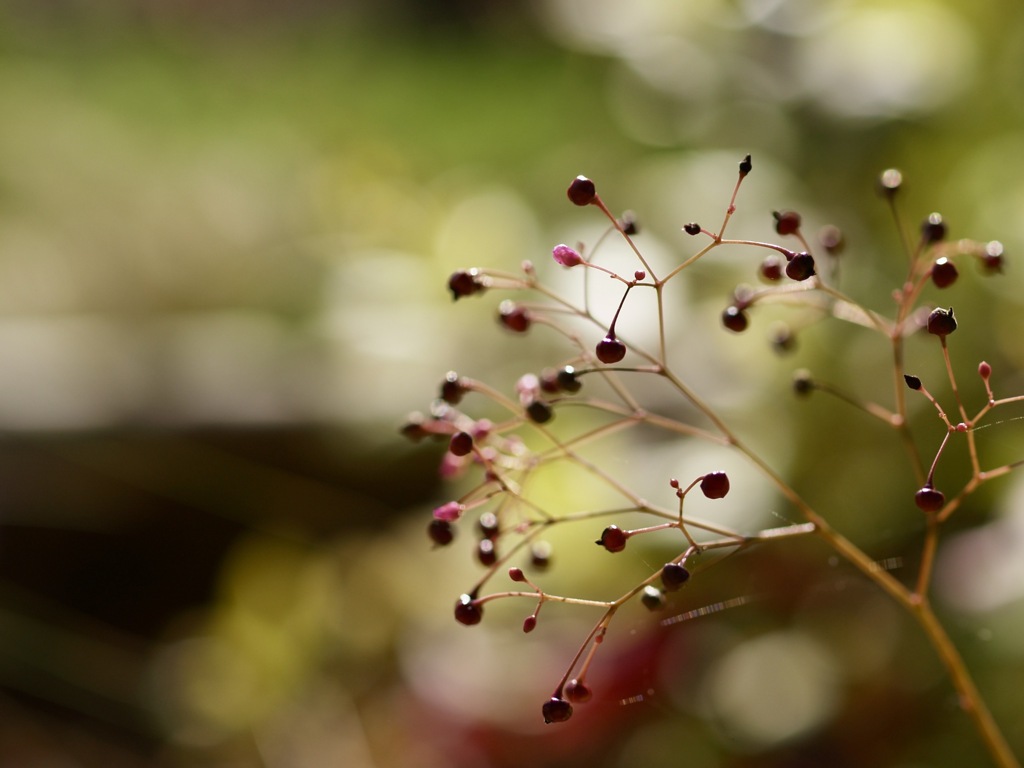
(225,231)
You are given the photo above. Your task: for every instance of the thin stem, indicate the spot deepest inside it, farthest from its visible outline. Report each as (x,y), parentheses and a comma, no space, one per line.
(935,462)
(615,222)
(900,387)
(924,574)
(969,697)
(952,380)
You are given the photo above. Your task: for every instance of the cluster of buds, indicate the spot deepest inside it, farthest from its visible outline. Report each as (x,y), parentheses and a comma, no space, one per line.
(801,270)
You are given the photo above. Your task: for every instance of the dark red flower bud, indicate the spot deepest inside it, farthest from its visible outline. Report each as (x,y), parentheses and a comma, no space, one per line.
(486,552)
(786,222)
(452,388)
(673,576)
(771,268)
(582,191)
(929,499)
(441,532)
(800,267)
(610,350)
(613,539)
(514,317)
(944,273)
(735,319)
(465,283)
(461,444)
(715,485)
(941,322)
(568,380)
(540,411)
(933,229)
(468,611)
(556,710)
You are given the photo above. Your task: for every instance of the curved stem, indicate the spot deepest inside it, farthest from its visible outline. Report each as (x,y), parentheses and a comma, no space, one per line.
(970,698)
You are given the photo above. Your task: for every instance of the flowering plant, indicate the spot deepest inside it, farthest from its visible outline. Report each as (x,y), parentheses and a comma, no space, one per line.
(600,374)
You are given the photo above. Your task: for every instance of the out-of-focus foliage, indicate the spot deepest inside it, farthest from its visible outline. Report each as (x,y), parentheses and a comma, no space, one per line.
(224,238)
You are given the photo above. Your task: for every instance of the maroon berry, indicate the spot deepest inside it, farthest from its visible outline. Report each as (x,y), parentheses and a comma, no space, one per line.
(771,268)
(889,182)
(582,191)
(693,228)
(461,443)
(786,222)
(929,499)
(653,598)
(568,380)
(610,350)
(452,388)
(715,485)
(516,574)
(556,710)
(912,381)
(514,317)
(578,692)
(465,283)
(984,370)
(613,539)
(941,322)
(486,552)
(746,166)
(933,229)
(800,267)
(441,532)
(735,319)
(944,273)
(540,411)
(673,576)
(468,611)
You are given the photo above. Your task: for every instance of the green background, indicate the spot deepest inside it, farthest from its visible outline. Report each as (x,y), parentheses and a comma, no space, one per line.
(225,233)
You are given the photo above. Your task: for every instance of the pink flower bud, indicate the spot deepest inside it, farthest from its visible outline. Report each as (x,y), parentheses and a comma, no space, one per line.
(528,388)
(450,512)
(566,256)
